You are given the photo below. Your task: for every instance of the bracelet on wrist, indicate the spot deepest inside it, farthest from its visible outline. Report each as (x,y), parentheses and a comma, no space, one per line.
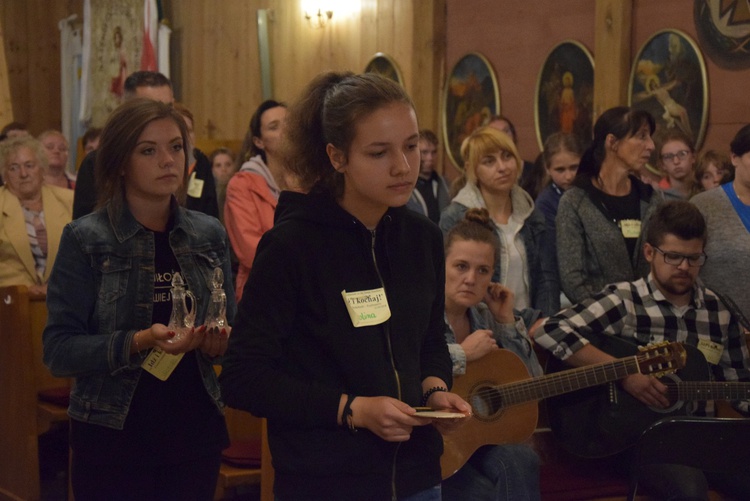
(347,416)
(135,341)
(429,393)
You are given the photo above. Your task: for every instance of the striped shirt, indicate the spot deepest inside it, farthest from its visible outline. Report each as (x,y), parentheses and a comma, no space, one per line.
(638,311)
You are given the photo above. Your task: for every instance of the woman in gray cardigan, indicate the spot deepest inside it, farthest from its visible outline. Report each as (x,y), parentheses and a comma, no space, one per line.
(601,220)
(727,212)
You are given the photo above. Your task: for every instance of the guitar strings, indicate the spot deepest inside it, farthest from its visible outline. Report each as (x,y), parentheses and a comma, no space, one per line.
(519,392)
(707,390)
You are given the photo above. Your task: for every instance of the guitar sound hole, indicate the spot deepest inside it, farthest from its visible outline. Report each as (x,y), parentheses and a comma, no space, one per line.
(486,402)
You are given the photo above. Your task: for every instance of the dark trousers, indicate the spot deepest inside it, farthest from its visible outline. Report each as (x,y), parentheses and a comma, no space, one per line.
(193,480)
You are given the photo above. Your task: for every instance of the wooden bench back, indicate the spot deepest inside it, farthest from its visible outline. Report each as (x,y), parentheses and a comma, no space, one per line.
(22,375)
(43,379)
(19,478)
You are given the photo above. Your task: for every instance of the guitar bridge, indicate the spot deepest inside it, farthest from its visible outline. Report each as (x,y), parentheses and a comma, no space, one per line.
(612,393)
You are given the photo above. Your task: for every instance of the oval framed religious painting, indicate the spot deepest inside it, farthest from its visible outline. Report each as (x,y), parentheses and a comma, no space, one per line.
(471,97)
(668,79)
(565,93)
(384,65)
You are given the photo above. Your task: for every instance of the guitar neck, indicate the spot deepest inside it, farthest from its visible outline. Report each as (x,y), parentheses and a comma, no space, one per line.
(551,385)
(708,390)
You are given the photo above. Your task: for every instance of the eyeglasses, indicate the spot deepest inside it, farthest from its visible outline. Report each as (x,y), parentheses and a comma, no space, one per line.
(669,157)
(676,259)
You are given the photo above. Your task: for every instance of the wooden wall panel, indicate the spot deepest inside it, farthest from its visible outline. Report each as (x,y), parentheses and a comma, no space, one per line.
(612,59)
(216,70)
(32,49)
(217,73)
(6,105)
(14,16)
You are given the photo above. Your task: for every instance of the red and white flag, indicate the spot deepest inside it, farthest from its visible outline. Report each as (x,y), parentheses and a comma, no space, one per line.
(150,30)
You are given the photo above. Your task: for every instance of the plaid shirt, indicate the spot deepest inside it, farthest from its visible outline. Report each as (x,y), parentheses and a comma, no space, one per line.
(639,311)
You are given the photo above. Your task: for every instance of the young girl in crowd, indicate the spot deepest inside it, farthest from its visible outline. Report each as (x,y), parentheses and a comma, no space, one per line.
(562,154)
(479,319)
(713,169)
(675,156)
(601,220)
(492,166)
(253,193)
(222,166)
(136,434)
(341,334)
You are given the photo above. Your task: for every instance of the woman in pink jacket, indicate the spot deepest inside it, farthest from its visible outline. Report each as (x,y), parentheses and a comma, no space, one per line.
(253,192)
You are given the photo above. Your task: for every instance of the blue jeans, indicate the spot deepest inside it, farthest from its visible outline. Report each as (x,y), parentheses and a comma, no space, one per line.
(496,473)
(431,494)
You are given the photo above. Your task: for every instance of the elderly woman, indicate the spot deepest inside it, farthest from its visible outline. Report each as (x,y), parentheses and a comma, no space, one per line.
(493,166)
(33,215)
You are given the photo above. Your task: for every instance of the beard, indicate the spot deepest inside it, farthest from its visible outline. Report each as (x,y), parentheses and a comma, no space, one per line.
(681,288)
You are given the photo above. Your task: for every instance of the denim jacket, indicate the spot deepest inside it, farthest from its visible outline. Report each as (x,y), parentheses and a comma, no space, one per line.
(513,337)
(544,289)
(100,294)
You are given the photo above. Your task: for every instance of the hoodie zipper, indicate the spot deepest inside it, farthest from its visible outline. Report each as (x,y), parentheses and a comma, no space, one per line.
(393,363)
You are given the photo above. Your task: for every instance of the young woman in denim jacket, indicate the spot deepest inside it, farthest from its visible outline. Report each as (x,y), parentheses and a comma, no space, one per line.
(479,319)
(133,435)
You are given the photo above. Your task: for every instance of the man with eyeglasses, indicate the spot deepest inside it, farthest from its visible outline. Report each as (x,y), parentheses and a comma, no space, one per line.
(668,305)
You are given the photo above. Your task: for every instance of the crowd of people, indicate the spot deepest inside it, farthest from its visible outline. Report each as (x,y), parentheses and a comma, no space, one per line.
(359,282)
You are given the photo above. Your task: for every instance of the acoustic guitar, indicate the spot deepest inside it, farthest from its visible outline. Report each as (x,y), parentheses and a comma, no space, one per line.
(504,398)
(603,421)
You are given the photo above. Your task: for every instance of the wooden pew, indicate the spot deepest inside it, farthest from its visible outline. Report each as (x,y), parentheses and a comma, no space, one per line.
(241,426)
(22,375)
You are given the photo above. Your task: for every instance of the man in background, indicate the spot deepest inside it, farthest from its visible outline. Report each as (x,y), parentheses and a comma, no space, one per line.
(430,195)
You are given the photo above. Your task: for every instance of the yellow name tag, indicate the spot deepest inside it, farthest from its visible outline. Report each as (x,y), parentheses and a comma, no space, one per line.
(712,351)
(195,186)
(367,307)
(631,228)
(160,363)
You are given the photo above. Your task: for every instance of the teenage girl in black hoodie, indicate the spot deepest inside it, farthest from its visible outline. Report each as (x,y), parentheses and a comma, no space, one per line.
(340,329)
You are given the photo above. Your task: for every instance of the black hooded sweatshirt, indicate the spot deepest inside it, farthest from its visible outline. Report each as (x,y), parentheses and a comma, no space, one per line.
(294,350)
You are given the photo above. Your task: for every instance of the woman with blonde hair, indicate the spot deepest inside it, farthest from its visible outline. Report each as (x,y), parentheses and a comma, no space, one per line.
(492,167)
(32,215)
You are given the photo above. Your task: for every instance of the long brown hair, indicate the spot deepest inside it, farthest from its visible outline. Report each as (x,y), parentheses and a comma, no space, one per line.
(118,141)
